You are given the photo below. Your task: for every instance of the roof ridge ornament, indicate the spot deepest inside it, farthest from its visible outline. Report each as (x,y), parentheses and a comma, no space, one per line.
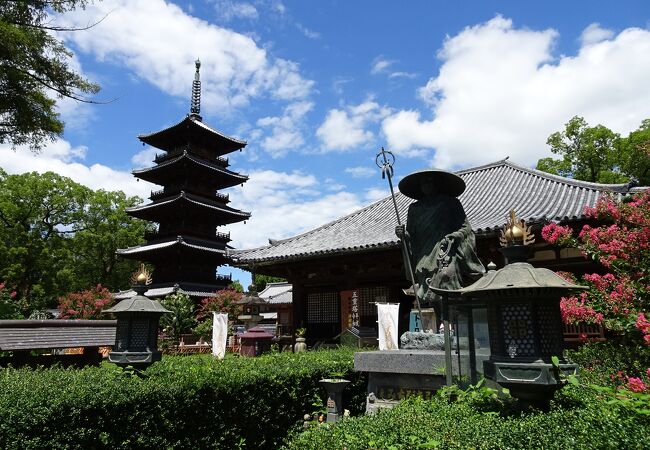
(195,107)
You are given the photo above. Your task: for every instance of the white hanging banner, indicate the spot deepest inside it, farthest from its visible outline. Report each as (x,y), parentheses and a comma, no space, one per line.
(388,316)
(219,334)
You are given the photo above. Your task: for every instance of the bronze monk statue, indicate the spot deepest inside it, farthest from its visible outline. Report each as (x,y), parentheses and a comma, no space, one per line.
(439,238)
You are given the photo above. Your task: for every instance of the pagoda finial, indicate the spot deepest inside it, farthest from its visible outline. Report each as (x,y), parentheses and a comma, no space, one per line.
(195,107)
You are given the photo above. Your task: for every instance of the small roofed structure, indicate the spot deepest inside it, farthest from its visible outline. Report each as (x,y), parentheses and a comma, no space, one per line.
(279,298)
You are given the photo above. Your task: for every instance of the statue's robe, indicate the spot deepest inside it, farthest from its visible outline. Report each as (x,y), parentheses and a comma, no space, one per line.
(431,220)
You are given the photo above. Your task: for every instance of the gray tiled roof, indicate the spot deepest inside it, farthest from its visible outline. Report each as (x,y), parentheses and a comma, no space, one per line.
(492,190)
(277,293)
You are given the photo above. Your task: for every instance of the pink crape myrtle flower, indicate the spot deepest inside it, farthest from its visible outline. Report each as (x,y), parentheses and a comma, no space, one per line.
(557,234)
(636,384)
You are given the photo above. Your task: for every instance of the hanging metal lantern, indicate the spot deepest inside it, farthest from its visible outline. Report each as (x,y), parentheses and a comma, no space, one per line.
(136,337)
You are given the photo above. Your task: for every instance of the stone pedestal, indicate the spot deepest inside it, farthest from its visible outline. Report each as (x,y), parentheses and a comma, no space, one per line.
(396,374)
(334,389)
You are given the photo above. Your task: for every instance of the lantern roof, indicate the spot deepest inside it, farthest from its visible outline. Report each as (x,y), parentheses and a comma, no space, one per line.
(138,304)
(512,278)
(251,299)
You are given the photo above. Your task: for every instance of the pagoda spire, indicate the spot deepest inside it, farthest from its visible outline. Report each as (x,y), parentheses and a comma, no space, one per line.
(195,107)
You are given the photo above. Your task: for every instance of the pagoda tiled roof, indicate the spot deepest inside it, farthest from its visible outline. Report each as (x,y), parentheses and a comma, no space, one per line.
(149,173)
(192,127)
(492,191)
(145,211)
(197,244)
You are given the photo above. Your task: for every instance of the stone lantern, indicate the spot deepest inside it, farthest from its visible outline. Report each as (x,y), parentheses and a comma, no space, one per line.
(524,320)
(136,337)
(334,389)
(251,305)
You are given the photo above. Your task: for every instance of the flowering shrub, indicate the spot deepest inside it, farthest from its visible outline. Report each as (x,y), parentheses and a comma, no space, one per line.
(223,302)
(87,304)
(643,325)
(8,307)
(557,234)
(619,298)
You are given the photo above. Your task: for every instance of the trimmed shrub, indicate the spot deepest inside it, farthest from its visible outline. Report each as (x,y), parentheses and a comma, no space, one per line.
(578,419)
(180,402)
(603,362)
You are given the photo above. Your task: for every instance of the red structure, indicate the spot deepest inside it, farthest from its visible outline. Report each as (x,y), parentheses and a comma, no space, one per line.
(188,246)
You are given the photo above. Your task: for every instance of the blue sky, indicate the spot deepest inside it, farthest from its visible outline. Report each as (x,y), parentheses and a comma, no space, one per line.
(317,87)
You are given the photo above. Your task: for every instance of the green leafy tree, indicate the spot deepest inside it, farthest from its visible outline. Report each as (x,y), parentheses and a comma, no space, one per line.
(587,153)
(8,306)
(34,70)
(236,285)
(37,215)
(57,236)
(260,281)
(181,318)
(635,154)
(105,227)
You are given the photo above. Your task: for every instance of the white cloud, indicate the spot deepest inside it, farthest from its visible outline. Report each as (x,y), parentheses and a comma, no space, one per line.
(594,34)
(380,65)
(339,83)
(228,10)
(284,204)
(402,75)
(286,131)
(375,194)
(62,158)
(159,42)
(311,34)
(360,172)
(345,129)
(501,91)
(144,158)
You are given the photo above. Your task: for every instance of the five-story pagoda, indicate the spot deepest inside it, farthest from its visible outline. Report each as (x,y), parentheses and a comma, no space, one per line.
(188,247)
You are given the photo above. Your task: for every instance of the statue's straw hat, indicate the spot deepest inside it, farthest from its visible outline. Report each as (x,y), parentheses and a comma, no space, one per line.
(446,182)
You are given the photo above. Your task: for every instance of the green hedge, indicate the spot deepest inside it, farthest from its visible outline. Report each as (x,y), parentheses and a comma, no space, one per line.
(181,402)
(578,419)
(598,361)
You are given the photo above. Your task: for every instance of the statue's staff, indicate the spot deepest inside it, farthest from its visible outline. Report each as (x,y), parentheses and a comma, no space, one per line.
(385,160)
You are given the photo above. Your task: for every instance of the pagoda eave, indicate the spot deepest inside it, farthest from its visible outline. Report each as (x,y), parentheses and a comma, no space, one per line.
(190,166)
(188,205)
(174,247)
(192,129)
